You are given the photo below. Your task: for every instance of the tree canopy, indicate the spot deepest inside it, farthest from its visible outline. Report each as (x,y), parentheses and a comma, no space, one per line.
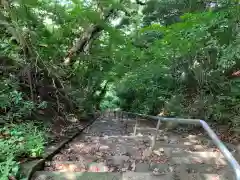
(153,54)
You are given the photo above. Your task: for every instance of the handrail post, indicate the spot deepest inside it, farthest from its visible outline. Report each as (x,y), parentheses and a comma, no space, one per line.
(135,128)
(156,133)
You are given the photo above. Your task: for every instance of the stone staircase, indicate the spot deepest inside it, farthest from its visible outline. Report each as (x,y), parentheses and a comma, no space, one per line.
(109,150)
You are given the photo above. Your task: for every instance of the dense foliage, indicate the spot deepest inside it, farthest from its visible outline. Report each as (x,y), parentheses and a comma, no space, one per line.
(188,68)
(179,57)
(18,141)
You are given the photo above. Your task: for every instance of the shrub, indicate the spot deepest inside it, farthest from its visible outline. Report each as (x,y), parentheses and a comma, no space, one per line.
(16,141)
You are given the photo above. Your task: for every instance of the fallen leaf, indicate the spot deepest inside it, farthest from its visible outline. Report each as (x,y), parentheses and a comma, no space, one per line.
(146,153)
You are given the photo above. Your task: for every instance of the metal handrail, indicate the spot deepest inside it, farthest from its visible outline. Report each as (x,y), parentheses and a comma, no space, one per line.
(226,153)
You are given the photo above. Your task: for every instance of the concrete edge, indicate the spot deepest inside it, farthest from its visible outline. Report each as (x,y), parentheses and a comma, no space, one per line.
(37,165)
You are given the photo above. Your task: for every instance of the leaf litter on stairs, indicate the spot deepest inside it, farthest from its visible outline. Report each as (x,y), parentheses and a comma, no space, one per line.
(106,147)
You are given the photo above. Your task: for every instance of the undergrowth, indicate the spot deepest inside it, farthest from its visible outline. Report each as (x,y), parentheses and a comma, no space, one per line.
(19,138)
(18,141)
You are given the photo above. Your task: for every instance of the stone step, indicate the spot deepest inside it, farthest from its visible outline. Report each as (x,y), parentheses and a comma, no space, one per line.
(165,148)
(161,134)
(197,158)
(141,123)
(134,120)
(177,141)
(169,136)
(208,176)
(117,144)
(132,143)
(74,166)
(46,175)
(193,142)
(112,141)
(146,176)
(204,154)
(139,137)
(148,129)
(188,168)
(89,166)
(184,145)
(161,141)
(190,140)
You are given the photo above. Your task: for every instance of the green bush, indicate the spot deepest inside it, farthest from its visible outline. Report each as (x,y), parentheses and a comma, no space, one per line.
(16,141)
(13,106)
(18,137)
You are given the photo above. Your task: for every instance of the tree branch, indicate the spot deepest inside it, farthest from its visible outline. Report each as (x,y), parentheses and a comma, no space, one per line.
(82,42)
(87,37)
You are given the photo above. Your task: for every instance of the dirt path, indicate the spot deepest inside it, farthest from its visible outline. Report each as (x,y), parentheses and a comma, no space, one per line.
(108,150)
